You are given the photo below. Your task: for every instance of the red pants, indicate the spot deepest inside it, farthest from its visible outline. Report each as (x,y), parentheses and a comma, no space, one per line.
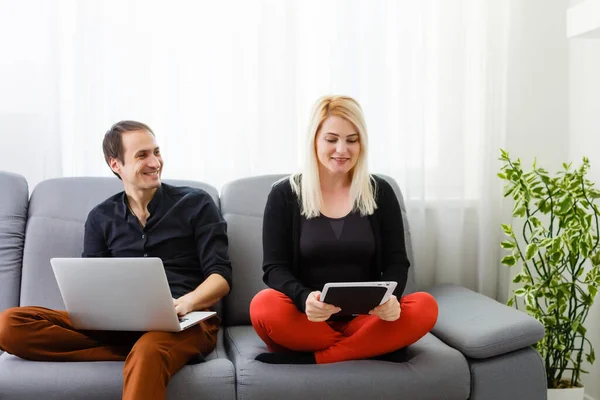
(282,327)
(151,358)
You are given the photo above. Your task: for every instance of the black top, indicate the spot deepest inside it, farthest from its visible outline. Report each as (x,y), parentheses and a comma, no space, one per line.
(185,230)
(281,242)
(335,250)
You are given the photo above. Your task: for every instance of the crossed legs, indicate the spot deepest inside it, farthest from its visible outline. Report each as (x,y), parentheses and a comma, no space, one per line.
(151,358)
(283,328)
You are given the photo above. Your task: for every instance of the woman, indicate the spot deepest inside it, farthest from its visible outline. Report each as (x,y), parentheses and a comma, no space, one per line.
(334,223)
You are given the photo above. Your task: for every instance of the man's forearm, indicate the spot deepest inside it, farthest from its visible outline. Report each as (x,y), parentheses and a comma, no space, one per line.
(208,293)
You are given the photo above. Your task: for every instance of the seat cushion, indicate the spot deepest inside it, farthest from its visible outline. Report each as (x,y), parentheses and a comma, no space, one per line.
(23,380)
(434,371)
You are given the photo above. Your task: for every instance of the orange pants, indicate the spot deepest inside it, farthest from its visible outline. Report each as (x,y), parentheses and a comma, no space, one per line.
(151,358)
(283,327)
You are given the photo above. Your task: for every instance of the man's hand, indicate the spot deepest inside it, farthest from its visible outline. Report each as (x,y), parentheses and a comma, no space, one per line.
(388,311)
(182,306)
(316,310)
(207,294)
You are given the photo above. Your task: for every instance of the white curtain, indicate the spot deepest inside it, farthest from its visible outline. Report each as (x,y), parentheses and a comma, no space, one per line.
(227,87)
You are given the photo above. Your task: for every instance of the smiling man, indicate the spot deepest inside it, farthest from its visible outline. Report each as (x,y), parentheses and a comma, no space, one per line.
(180,225)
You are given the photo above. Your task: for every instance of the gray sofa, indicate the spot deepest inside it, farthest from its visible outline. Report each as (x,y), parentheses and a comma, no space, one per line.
(479,348)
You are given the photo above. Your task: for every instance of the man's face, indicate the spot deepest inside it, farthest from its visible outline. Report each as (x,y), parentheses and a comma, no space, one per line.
(142,166)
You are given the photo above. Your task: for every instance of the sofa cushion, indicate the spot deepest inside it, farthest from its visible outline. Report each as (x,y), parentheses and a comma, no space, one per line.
(23,380)
(57,212)
(242,204)
(14,198)
(434,371)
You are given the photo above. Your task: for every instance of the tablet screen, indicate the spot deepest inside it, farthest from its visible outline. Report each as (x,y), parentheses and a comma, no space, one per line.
(355,300)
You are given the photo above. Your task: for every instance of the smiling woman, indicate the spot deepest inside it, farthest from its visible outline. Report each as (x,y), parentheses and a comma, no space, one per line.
(347,226)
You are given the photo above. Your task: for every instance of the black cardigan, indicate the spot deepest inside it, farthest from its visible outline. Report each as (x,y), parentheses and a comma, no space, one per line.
(281,241)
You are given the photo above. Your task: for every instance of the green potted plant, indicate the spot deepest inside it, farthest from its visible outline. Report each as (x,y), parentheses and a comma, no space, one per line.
(554,243)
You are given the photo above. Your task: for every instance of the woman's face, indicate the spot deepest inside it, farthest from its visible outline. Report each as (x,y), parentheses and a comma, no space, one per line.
(338,146)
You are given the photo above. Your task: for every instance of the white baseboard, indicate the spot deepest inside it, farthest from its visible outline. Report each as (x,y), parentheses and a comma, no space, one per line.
(588,397)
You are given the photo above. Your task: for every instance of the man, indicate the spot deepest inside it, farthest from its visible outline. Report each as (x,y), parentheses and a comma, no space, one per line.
(180,225)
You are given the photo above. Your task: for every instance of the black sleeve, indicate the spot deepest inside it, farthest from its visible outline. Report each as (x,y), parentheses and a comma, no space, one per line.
(94,242)
(210,234)
(278,248)
(394,257)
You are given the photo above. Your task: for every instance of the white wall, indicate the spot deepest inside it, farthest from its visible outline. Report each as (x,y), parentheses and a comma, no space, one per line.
(584,135)
(537,92)
(537,118)
(27,82)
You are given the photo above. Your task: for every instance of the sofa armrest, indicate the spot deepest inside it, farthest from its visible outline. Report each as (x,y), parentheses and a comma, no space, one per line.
(480,327)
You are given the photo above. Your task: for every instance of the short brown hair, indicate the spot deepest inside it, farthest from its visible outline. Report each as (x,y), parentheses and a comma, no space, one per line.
(112,145)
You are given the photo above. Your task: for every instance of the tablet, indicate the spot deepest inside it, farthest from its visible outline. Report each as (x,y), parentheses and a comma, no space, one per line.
(355,298)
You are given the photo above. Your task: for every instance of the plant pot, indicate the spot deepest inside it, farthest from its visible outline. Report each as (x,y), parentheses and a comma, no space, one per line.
(566,394)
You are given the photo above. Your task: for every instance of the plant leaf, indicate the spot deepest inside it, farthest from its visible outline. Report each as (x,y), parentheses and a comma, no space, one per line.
(592,290)
(591,357)
(531,250)
(595,259)
(508,245)
(565,290)
(565,205)
(508,190)
(556,244)
(545,206)
(519,212)
(509,261)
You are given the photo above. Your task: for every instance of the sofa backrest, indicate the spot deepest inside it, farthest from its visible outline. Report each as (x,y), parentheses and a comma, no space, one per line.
(411,287)
(14,198)
(58,209)
(242,205)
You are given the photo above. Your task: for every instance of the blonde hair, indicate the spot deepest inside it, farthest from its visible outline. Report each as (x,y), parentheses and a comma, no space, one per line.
(307,185)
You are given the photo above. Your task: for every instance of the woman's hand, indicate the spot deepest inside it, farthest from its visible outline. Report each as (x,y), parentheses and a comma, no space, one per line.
(316,310)
(388,311)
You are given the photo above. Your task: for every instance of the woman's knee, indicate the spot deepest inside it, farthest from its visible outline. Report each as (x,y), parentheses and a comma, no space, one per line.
(263,303)
(426,308)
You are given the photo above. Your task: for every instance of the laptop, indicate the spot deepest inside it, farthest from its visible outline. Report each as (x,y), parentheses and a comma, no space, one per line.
(120,294)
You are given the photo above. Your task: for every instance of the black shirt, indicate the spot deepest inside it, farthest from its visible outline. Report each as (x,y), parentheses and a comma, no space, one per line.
(185,230)
(281,241)
(335,250)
